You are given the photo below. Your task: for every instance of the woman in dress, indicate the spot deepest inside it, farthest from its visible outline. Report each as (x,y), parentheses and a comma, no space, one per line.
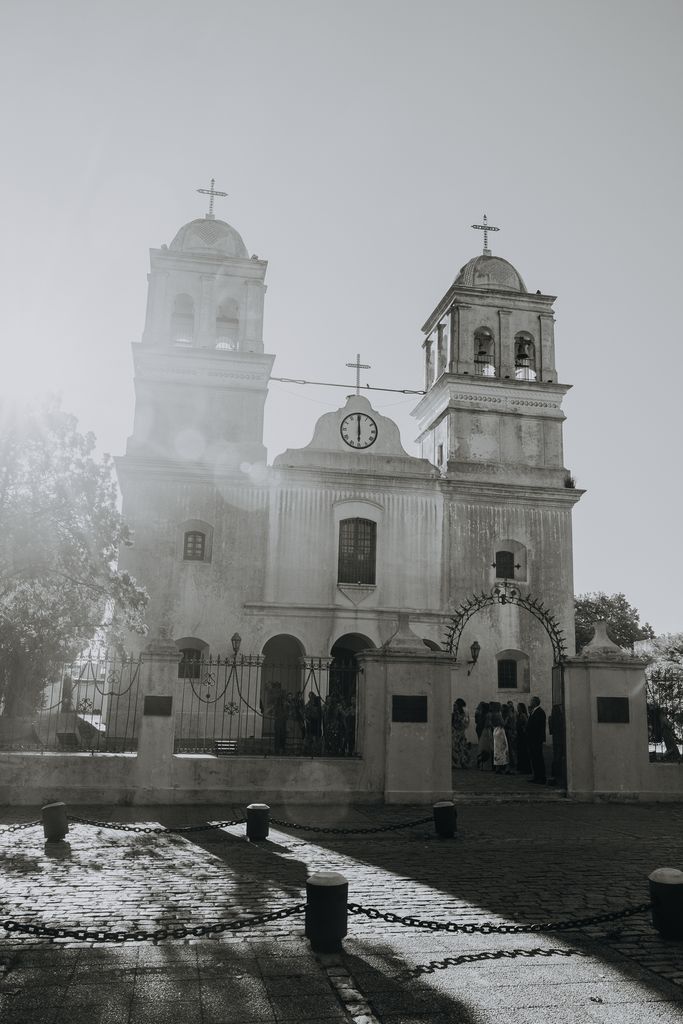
(460,748)
(510,726)
(501,754)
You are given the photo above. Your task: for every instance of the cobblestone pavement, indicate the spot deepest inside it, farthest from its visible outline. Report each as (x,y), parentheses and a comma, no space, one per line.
(515,862)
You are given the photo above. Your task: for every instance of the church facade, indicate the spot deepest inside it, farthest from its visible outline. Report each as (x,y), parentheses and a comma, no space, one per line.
(317,554)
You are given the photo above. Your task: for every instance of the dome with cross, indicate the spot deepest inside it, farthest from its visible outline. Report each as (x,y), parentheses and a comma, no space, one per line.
(492,272)
(207,236)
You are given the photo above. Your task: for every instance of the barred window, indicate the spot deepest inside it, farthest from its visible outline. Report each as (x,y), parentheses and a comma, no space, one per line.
(190,663)
(505,565)
(194,546)
(507,674)
(357,551)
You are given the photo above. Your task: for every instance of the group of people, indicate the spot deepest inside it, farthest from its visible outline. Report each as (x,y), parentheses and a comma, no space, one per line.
(509,739)
(312,727)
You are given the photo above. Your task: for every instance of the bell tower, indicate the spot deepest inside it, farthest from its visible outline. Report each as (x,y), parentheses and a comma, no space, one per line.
(201,374)
(492,411)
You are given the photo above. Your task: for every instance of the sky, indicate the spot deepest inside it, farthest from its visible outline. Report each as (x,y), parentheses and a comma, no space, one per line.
(358,140)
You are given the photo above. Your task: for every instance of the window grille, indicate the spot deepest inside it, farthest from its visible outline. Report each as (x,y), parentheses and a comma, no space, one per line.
(190,663)
(194,546)
(357,551)
(507,674)
(505,565)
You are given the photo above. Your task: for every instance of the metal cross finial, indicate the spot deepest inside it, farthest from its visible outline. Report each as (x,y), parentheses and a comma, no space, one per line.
(485,227)
(358,366)
(212,193)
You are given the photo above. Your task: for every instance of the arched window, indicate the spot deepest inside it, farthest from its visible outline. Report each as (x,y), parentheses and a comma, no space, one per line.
(194,546)
(227,326)
(507,674)
(513,671)
(191,653)
(525,357)
(182,321)
(357,551)
(505,565)
(194,540)
(510,560)
(483,353)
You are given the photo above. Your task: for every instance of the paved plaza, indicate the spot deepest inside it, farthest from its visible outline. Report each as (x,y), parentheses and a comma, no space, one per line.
(512,861)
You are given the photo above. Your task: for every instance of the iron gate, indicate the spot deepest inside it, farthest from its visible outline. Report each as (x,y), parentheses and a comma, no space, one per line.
(250,705)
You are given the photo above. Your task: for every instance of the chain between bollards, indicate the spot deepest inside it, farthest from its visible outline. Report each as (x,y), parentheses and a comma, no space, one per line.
(258,821)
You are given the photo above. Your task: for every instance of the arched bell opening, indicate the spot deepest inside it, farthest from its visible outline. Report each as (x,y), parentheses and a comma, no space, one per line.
(525,357)
(182,321)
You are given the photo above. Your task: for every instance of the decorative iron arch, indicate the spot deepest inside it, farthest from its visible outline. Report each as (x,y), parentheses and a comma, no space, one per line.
(505,593)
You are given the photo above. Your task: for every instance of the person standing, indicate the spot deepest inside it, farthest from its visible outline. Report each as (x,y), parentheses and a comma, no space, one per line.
(485,747)
(501,754)
(523,761)
(535,734)
(510,726)
(460,748)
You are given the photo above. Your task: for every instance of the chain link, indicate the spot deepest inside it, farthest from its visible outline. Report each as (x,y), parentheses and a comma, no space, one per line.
(489,928)
(472,958)
(328,830)
(18,828)
(152,830)
(176,932)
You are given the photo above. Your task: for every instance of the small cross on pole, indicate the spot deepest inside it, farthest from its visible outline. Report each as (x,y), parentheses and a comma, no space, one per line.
(211,192)
(485,227)
(358,366)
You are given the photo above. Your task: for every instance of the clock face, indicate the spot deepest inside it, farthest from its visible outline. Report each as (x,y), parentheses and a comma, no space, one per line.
(358,430)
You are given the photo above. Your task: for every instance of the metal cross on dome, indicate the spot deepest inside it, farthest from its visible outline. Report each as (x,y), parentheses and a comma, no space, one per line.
(485,227)
(212,193)
(358,366)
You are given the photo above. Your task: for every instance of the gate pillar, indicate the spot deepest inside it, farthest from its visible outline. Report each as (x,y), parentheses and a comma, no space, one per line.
(606,721)
(406,718)
(156,734)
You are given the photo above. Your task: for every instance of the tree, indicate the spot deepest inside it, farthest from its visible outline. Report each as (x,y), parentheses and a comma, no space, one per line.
(60,533)
(664,672)
(623,620)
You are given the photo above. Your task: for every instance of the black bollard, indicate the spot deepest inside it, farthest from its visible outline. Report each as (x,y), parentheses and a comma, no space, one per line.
(445,819)
(258,821)
(55,825)
(666,893)
(327,895)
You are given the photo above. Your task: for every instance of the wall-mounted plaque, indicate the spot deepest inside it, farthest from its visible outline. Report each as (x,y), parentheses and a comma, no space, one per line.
(160,706)
(408,708)
(613,709)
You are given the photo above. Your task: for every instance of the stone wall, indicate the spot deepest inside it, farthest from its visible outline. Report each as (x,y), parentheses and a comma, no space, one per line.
(606,723)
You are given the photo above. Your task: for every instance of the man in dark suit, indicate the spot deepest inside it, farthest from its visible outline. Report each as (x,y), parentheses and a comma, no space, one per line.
(535,735)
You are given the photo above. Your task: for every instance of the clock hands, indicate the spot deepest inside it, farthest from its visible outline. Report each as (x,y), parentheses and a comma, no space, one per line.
(358,423)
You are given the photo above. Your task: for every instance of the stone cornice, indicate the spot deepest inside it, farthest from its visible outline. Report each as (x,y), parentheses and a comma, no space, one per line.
(355,485)
(490,493)
(289,610)
(350,479)
(205,367)
(458,295)
(490,394)
(218,263)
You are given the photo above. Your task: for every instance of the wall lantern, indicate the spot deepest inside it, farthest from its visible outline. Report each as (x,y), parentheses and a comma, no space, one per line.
(475,648)
(235,640)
